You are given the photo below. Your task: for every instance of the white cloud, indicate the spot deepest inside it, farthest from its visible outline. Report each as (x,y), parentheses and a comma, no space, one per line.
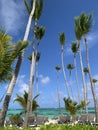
(21,83)
(44,80)
(12,14)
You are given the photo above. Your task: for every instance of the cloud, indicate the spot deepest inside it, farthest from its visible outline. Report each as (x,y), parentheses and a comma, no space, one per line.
(21,83)
(44,80)
(12,14)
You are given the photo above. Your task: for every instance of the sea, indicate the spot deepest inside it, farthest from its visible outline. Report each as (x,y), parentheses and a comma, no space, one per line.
(47,112)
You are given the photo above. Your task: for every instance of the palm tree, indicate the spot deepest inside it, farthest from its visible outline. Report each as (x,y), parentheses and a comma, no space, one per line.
(39,35)
(22,100)
(86,22)
(72,106)
(86,71)
(78,34)
(37,14)
(16,71)
(62,42)
(58,89)
(70,67)
(74,49)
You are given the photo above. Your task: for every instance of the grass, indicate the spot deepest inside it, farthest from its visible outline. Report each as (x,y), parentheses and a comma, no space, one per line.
(57,127)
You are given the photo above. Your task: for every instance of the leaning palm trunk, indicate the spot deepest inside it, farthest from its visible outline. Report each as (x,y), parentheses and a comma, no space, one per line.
(90,76)
(16,72)
(83,79)
(62,59)
(76,76)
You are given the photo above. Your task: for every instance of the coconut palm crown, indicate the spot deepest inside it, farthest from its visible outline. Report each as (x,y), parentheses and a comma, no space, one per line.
(62,38)
(86,22)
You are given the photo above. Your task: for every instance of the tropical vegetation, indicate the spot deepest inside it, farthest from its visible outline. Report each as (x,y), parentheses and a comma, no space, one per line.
(11,56)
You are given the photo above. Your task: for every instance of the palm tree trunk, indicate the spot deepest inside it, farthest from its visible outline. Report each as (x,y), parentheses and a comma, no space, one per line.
(62,60)
(83,79)
(76,76)
(58,92)
(71,84)
(30,93)
(36,78)
(29,102)
(90,76)
(16,72)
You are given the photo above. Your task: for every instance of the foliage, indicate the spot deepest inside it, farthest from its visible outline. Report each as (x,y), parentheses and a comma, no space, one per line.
(40,32)
(94,80)
(19,47)
(86,70)
(83,24)
(8,53)
(57,68)
(23,101)
(16,119)
(70,66)
(67,127)
(62,38)
(86,22)
(73,106)
(57,127)
(78,31)
(38,8)
(74,47)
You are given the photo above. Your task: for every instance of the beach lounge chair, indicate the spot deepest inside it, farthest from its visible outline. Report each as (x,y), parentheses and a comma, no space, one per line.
(83,119)
(91,119)
(75,119)
(31,121)
(64,119)
(40,120)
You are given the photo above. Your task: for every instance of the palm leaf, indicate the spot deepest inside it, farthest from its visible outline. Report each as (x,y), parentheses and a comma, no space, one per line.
(38,9)
(27,6)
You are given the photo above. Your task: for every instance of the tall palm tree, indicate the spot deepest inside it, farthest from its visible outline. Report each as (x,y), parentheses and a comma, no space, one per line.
(86,71)
(72,106)
(78,34)
(70,67)
(38,35)
(86,22)
(16,71)
(22,100)
(74,49)
(58,89)
(62,42)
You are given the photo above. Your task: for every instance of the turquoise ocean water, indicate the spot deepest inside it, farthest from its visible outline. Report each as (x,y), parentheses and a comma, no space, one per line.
(48,112)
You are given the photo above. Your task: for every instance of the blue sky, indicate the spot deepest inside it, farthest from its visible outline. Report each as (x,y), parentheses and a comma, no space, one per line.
(58,16)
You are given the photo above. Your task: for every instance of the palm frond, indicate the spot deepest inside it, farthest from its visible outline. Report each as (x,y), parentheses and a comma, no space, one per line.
(38,9)
(27,6)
